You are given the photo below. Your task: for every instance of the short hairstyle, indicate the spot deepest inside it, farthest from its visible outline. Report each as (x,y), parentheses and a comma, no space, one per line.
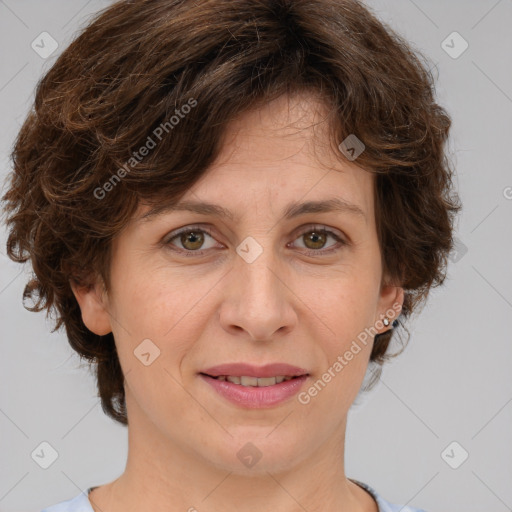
(146,70)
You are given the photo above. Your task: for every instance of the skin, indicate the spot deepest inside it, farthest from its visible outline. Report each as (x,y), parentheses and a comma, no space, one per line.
(286,306)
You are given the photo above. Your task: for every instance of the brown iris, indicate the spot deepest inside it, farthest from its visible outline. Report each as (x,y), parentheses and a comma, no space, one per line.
(196,238)
(316,238)
(193,240)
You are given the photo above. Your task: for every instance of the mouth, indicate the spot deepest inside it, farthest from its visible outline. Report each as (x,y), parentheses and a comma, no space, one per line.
(248,381)
(250,386)
(248,392)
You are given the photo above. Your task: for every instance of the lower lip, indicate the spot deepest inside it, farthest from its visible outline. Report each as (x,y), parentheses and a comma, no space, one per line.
(254,397)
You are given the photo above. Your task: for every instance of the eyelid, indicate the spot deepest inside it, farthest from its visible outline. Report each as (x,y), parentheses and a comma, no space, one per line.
(321,228)
(185,229)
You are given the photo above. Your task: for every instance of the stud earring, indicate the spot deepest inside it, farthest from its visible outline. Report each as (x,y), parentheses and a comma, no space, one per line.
(385,321)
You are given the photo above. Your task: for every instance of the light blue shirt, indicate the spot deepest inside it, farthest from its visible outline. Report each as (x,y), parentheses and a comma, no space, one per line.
(81,503)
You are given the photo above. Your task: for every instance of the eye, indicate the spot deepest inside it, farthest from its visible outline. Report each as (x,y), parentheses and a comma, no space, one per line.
(314,239)
(190,240)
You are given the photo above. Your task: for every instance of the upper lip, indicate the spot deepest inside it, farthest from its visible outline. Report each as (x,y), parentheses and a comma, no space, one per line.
(249,370)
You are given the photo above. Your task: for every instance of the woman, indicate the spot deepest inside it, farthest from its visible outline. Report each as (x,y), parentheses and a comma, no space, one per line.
(232,207)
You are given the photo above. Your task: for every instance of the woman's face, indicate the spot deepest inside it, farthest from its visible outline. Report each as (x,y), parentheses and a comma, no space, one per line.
(257,286)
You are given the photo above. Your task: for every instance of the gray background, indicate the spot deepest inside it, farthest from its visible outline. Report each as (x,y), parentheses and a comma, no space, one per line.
(453,381)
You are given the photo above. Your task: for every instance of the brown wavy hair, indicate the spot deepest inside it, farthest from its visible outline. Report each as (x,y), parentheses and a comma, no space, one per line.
(137,63)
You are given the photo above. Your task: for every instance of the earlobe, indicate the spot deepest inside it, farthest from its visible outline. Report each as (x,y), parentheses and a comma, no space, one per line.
(94,310)
(390,305)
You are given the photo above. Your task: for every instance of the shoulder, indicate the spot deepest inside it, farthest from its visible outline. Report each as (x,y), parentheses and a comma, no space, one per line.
(386,506)
(79,503)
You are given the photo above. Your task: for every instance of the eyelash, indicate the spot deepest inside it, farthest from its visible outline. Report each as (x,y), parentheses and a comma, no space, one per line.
(204,229)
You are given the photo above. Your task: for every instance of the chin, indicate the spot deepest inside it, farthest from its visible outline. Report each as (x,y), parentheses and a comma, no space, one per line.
(259,452)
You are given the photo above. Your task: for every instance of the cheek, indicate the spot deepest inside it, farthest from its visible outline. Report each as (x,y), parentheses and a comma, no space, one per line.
(346,302)
(348,311)
(140,291)
(139,300)
(157,303)
(348,308)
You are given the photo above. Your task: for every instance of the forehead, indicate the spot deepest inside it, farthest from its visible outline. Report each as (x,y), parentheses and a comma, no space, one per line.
(277,157)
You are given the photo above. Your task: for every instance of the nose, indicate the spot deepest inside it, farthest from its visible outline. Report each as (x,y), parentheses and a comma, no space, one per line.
(259,301)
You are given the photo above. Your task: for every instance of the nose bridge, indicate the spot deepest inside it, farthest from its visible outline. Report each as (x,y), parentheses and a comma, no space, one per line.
(260,303)
(258,277)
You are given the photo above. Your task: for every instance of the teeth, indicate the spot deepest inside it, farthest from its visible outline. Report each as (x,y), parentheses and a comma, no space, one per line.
(250,381)
(254,381)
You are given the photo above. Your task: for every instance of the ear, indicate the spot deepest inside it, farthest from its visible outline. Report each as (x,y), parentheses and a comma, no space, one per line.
(390,304)
(93,306)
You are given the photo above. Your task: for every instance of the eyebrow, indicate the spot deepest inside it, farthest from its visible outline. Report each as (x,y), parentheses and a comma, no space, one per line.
(293,210)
